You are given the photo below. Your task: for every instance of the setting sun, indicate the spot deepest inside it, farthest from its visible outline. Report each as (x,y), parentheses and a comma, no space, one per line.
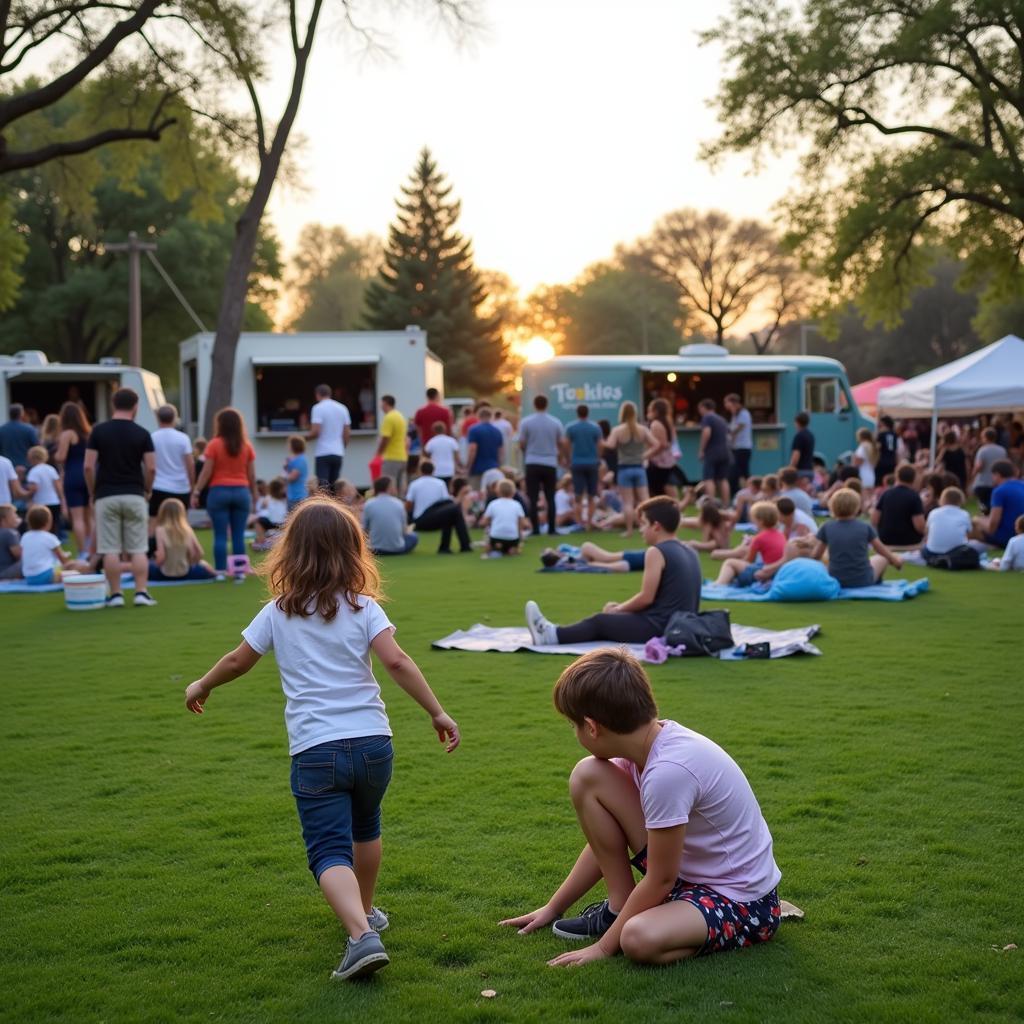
(538,350)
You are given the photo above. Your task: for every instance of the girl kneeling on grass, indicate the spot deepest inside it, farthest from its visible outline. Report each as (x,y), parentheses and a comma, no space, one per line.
(322,623)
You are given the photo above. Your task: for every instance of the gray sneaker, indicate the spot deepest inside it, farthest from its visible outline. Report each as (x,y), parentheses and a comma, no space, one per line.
(362,956)
(377,919)
(542,632)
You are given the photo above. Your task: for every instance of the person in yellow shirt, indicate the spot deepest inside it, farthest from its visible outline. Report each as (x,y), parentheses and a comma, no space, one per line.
(391,447)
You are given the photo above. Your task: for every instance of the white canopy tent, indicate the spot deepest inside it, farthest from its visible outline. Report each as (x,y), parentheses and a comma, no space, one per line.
(987,381)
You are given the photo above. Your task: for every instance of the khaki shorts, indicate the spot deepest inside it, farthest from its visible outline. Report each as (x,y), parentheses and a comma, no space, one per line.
(397,471)
(121,523)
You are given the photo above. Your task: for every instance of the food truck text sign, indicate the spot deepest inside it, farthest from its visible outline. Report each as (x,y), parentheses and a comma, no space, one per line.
(602,390)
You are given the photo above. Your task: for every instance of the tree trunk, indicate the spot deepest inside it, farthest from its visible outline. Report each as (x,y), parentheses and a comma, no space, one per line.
(236,280)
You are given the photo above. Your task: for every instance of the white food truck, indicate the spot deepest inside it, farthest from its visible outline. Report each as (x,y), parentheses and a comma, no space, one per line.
(42,387)
(275,376)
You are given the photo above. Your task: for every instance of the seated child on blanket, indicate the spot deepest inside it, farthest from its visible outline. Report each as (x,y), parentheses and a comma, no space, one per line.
(715,524)
(847,540)
(273,513)
(769,544)
(179,555)
(671,583)
(10,544)
(41,552)
(654,789)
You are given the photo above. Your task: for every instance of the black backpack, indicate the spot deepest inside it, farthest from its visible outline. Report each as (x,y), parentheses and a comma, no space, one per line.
(962,557)
(699,632)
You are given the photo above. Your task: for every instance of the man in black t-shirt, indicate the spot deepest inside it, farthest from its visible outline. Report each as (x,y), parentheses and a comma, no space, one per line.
(802,457)
(899,515)
(888,444)
(119,467)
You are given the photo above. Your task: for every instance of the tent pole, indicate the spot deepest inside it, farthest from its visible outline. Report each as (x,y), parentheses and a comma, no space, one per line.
(934,438)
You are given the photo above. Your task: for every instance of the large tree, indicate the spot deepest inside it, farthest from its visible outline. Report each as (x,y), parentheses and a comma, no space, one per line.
(73,302)
(723,270)
(429,279)
(909,116)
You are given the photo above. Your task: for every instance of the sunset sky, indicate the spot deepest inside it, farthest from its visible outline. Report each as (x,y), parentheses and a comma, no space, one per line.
(565,127)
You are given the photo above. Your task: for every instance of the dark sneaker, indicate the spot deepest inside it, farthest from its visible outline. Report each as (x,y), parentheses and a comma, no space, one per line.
(377,919)
(115,601)
(589,926)
(143,600)
(362,956)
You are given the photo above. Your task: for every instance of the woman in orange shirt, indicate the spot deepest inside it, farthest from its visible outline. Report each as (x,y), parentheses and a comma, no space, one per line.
(230,471)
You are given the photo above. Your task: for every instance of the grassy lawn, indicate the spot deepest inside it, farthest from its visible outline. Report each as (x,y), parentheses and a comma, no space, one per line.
(152,867)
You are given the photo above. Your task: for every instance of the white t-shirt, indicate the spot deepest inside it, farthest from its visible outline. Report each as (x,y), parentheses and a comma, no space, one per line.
(425,491)
(866,470)
(276,510)
(948,527)
(329,689)
(171,447)
(333,417)
(802,518)
(690,780)
(7,474)
(442,449)
(37,547)
(563,502)
(1013,556)
(44,476)
(504,514)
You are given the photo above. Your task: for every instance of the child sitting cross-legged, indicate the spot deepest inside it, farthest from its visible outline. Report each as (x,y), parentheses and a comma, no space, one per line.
(768,544)
(41,552)
(1013,556)
(322,622)
(179,555)
(273,514)
(505,520)
(680,805)
(848,539)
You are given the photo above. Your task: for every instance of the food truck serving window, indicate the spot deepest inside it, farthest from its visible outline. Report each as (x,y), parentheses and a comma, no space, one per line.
(684,391)
(285,390)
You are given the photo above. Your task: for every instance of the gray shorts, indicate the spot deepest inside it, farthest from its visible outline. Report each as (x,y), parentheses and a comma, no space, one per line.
(121,522)
(397,471)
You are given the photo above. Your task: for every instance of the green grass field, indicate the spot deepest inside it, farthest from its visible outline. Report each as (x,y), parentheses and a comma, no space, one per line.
(152,867)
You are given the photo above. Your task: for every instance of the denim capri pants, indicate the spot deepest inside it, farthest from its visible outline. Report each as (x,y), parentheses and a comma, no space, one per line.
(338,788)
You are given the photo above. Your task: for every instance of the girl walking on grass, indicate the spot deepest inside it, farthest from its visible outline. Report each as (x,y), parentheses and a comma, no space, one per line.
(322,623)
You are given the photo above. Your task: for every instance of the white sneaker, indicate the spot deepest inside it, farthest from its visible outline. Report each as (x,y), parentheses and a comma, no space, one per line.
(542,632)
(377,919)
(115,600)
(143,600)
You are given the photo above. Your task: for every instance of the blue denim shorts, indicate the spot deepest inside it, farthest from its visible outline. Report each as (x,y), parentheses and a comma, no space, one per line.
(631,476)
(338,788)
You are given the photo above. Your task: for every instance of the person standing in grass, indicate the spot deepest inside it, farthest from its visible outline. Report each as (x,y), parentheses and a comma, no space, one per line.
(685,810)
(322,623)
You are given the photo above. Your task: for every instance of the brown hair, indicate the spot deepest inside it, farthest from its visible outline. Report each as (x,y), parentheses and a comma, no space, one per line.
(661,409)
(845,503)
(765,513)
(609,686)
(905,473)
(662,510)
(72,418)
(230,428)
(770,483)
(297,443)
(710,512)
(952,496)
(39,518)
(320,556)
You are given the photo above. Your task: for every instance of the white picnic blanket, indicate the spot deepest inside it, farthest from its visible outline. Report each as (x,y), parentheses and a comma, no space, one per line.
(508,639)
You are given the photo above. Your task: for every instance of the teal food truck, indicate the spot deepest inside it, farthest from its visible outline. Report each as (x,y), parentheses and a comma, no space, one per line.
(773,388)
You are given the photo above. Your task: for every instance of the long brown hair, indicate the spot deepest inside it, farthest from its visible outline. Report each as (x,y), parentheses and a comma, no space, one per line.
(320,556)
(627,416)
(72,418)
(230,428)
(660,409)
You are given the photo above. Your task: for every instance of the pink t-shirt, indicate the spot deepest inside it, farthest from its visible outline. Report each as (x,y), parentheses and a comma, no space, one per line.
(691,780)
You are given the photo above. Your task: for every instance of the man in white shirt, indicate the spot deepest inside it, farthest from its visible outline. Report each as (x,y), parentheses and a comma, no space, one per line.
(10,486)
(741,439)
(443,451)
(330,427)
(431,507)
(175,465)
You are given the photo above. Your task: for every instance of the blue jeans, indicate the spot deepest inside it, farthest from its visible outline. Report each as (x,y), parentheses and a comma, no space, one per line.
(338,788)
(227,506)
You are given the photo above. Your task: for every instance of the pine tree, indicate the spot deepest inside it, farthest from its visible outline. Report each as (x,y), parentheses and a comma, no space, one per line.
(429,279)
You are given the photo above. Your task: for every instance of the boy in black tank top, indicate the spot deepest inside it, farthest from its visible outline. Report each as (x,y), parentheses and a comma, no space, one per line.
(671,583)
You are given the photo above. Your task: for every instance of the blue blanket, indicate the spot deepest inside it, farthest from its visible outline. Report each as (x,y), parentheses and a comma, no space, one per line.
(894,590)
(21,587)
(574,567)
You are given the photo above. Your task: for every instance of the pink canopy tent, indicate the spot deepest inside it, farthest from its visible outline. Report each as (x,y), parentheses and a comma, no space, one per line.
(866,394)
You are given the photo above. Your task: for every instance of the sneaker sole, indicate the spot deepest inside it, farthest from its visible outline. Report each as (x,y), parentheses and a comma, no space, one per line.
(361,968)
(573,936)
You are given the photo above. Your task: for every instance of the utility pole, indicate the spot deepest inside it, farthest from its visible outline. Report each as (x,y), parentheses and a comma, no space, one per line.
(133,247)
(804,329)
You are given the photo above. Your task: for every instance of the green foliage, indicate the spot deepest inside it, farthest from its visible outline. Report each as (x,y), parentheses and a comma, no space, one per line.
(429,279)
(73,302)
(12,253)
(330,271)
(154,869)
(909,118)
